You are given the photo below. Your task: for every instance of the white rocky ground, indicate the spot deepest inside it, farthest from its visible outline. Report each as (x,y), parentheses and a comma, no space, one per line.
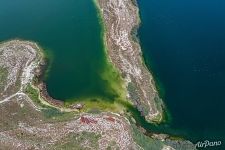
(120,18)
(19,59)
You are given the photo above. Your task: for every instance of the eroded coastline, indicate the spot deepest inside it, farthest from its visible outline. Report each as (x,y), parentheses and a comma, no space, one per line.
(121,18)
(30,121)
(25,69)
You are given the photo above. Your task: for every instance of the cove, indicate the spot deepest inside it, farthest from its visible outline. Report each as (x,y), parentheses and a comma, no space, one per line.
(71,32)
(183,43)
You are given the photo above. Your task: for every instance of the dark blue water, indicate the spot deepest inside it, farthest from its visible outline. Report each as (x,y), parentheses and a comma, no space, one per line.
(184,43)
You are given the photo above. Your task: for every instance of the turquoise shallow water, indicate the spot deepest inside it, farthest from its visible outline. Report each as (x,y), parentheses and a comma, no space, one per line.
(184,43)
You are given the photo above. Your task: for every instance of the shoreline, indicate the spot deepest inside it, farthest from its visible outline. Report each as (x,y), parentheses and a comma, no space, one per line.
(47,103)
(44,66)
(153,112)
(33,74)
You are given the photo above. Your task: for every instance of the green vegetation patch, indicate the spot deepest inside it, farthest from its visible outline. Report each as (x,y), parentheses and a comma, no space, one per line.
(49,112)
(33,94)
(144,141)
(96,105)
(55,115)
(112,146)
(3,77)
(133,92)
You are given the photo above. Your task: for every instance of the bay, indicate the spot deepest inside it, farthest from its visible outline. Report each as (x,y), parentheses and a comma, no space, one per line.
(70,31)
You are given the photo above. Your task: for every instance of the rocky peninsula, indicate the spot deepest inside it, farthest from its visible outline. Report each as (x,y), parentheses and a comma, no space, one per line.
(121,19)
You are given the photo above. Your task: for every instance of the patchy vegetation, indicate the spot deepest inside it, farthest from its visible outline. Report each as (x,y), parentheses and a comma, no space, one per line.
(144,141)
(29,122)
(78,141)
(33,94)
(3,78)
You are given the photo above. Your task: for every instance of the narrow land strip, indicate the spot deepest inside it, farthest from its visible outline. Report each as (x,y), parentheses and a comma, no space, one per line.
(120,18)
